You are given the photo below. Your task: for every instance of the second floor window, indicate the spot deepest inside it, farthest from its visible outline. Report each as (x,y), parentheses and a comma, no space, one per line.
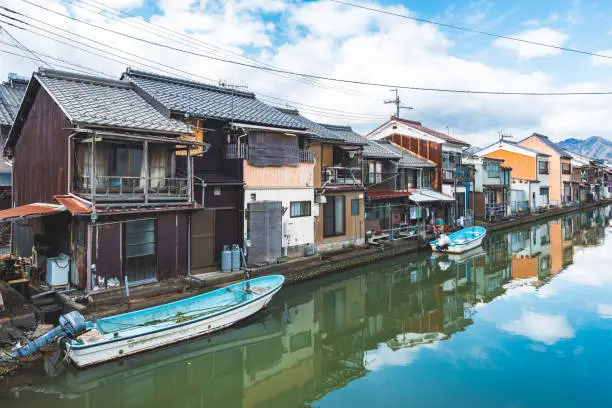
(566,168)
(492,169)
(543,167)
(299,209)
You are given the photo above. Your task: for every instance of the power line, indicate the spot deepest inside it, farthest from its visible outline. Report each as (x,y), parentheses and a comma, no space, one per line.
(319,111)
(24,47)
(313,76)
(470,30)
(36,59)
(191,42)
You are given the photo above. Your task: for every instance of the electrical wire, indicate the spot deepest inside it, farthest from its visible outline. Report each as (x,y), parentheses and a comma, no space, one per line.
(25,48)
(306,75)
(470,30)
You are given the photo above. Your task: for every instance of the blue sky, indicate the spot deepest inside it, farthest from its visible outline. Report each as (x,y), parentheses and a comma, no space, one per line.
(329,39)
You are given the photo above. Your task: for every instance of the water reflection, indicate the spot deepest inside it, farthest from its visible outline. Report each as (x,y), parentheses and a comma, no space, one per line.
(323,335)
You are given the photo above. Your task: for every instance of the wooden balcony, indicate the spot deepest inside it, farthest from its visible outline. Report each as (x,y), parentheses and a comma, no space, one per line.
(341,176)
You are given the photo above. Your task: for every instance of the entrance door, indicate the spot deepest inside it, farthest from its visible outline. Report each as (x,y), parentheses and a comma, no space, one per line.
(202,238)
(139,250)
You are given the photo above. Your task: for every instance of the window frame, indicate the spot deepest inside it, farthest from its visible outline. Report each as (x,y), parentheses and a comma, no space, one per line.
(563,168)
(301,207)
(547,167)
(331,207)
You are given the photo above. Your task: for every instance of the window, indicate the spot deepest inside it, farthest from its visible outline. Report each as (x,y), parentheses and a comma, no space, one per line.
(139,250)
(543,167)
(492,169)
(333,216)
(299,209)
(566,168)
(374,172)
(355,207)
(543,191)
(300,341)
(125,161)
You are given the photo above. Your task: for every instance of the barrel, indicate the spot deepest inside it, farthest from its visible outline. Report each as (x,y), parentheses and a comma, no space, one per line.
(226,259)
(235,257)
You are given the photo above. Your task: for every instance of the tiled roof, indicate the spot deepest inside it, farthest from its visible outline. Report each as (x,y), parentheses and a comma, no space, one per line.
(560,151)
(316,129)
(418,126)
(371,149)
(95,101)
(11,95)
(408,159)
(208,101)
(520,146)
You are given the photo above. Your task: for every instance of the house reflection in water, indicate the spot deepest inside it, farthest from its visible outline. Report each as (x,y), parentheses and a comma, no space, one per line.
(315,336)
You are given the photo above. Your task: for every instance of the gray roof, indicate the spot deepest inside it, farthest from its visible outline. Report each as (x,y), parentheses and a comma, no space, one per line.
(11,95)
(316,129)
(408,159)
(560,151)
(99,102)
(208,101)
(518,145)
(371,149)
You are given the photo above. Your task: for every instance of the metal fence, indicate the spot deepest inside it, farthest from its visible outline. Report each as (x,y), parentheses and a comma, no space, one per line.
(134,187)
(341,175)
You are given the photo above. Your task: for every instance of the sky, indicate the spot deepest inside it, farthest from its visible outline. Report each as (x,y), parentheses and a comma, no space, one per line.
(334,40)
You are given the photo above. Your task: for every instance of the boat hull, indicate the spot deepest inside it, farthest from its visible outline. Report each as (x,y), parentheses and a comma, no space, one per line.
(458,249)
(98,354)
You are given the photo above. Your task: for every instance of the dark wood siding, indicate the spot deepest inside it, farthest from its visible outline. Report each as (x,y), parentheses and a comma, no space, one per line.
(108,251)
(41,153)
(171,245)
(424,148)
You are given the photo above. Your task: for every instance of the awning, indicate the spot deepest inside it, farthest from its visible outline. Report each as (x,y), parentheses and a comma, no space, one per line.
(427,195)
(380,194)
(75,205)
(30,211)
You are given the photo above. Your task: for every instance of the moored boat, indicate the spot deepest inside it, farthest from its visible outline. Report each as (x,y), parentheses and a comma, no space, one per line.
(460,241)
(95,342)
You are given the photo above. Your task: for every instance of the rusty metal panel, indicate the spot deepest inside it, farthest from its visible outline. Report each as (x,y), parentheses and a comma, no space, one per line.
(41,153)
(108,250)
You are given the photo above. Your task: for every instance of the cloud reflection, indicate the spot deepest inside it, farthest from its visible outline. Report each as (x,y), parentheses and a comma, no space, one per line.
(541,327)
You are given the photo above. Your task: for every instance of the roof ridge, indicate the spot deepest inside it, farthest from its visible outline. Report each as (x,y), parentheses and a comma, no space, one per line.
(71,76)
(337,127)
(143,74)
(287,111)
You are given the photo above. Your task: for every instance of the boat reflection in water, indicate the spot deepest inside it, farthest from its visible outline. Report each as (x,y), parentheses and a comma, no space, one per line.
(325,334)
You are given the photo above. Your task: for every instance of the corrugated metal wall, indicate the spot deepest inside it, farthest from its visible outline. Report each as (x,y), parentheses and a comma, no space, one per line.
(264,229)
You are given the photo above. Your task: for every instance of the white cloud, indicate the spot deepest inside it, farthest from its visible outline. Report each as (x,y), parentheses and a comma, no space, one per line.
(541,327)
(527,51)
(336,41)
(385,356)
(604,311)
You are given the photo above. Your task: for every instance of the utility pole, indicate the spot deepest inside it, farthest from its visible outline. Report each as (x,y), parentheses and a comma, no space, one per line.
(398,103)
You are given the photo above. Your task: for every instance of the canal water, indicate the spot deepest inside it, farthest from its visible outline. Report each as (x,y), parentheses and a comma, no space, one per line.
(524,322)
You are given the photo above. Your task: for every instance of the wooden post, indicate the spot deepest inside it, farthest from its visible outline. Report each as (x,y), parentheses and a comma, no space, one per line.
(145,163)
(189,175)
(92,170)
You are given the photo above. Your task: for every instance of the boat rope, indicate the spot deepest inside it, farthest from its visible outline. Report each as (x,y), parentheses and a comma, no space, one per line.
(180,317)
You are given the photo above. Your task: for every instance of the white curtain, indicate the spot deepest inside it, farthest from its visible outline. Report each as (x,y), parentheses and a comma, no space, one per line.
(157,166)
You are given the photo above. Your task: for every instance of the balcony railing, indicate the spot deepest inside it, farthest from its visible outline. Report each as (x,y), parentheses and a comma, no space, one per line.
(306,156)
(123,188)
(460,173)
(341,176)
(236,151)
(495,209)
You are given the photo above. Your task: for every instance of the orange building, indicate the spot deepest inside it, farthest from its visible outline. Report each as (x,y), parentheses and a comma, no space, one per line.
(529,175)
(560,172)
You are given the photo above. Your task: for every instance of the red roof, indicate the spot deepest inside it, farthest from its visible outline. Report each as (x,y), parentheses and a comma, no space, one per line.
(378,194)
(76,206)
(418,126)
(29,211)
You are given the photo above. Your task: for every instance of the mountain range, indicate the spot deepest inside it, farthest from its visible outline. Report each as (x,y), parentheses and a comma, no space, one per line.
(594,147)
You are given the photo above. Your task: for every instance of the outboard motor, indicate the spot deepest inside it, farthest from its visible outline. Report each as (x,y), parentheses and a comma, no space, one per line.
(443,241)
(70,325)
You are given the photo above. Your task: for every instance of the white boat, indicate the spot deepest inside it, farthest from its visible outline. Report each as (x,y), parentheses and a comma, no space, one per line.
(460,241)
(118,336)
(89,343)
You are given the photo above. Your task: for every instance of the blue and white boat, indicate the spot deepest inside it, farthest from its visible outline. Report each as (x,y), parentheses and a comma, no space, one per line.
(89,343)
(460,241)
